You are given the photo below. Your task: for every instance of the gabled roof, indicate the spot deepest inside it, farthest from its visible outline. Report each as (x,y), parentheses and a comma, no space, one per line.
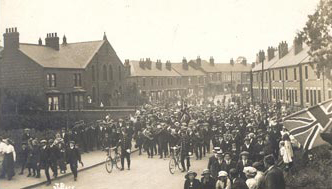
(267,64)
(223,67)
(136,70)
(71,55)
(191,71)
(290,59)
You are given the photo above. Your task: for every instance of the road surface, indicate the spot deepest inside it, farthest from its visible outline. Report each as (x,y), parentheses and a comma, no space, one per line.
(145,173)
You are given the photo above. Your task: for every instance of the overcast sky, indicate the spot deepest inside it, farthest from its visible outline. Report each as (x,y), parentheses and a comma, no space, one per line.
(163,29)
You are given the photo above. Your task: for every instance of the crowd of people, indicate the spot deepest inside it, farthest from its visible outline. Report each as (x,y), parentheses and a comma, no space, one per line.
(243,137)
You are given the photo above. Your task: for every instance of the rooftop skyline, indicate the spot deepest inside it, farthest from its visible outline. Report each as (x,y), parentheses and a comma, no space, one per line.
(166,30)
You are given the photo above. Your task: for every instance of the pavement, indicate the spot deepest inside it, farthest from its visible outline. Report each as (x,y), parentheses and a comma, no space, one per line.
(90,160)
(145,173)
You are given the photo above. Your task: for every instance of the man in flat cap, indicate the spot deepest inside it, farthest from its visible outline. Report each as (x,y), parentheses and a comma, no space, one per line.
(73,156)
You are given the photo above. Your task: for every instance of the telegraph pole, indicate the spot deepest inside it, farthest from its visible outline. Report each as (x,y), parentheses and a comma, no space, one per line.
(261,59)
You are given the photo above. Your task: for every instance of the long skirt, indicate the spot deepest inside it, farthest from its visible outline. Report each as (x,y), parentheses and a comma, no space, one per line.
(8,165)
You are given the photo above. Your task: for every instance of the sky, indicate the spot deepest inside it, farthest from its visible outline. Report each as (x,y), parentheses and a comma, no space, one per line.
(163,29)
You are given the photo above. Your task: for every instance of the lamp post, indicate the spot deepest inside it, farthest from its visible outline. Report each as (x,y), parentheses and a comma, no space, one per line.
(261,56)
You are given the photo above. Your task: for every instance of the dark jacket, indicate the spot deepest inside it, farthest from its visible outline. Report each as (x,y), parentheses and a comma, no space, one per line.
(194,185)
(73,155)
(124,143)
(239,183)
(274,179)
(211,184)
(226,167)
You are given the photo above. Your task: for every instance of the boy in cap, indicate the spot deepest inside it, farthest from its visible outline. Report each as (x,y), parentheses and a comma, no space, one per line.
(207,181)
(73,156)
(44,161)
(23,156)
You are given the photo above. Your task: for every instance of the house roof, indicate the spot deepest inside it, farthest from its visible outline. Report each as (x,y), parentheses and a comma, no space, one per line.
(290,59)
(136,70)
(223,67)
(71,55)
(191,71)
(267,64)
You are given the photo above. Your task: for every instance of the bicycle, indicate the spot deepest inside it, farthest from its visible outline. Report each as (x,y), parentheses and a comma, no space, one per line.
(110,161)
(174,162)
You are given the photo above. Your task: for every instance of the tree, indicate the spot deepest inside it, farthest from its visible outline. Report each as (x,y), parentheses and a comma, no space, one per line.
(317,34)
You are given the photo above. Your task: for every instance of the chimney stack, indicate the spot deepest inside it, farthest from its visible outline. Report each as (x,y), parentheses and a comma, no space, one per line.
(283,49)
(158,65)
(168,65)
(64,40)
(231,61)
(184,63)
(270,53)
(142,63)
(198,61)
(148,63)
(127,66)
(298,45)
(40,42)
(11,39)
(52,40)
(212,60)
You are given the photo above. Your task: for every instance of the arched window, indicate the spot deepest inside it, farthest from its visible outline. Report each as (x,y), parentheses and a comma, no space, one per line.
(93,74)
(105,73)
(110,72)
(119,73)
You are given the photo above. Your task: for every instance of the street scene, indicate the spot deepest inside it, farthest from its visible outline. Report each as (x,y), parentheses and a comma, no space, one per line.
(193,94)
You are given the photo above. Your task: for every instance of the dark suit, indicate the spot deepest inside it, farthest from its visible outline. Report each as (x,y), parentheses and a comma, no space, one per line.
(45,162)
(240,165)
(274,179)
(226,166)
(125,143)
(239,183)
(73,156)
(210,184)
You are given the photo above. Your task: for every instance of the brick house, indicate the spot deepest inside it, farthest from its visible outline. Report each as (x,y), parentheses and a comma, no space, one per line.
(67,75)
(224,77)
(154,80)
(290,77)
(193,80)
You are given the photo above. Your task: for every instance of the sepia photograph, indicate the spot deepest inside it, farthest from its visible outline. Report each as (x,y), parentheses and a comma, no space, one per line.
(166,94)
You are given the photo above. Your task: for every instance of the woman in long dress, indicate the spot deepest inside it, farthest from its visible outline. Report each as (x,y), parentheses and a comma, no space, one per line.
(9,159)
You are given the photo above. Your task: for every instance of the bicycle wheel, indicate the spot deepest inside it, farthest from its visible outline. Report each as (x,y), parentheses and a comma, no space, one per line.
(109,164)
(117,161)
(179,164)
(172,165)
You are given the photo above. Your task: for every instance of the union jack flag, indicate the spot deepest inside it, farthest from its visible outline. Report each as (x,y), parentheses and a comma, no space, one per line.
(307,125)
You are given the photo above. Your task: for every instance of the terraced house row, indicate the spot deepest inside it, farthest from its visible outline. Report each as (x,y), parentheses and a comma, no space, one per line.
(156,80)
(290,77)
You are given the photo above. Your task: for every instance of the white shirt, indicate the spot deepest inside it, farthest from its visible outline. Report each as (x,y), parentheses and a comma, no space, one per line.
(2,147)
(252,183)
(10,149)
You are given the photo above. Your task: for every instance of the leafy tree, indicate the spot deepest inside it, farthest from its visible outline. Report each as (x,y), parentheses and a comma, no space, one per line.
(318,35)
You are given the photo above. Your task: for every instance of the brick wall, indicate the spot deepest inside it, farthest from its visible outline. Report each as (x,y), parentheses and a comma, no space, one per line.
(105,89)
